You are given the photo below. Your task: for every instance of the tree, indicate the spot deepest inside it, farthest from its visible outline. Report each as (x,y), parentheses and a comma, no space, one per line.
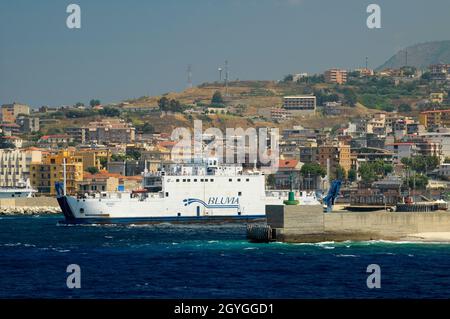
(367,173)
(421,164)
(426,76)
(404,108)
(110,111)
(175,106)
(163,104)
(350,97)
(313,169)
(79,104)
(94,102)
(288,78)
(93,170)
(271,180)
(4,143)
(147,128)
(53,131)
(134,154)
(103,162)
(217,98)
(417,181)
(340,172)
(352,175)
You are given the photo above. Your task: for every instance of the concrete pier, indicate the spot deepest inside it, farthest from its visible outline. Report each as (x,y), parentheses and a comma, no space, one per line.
(311,224)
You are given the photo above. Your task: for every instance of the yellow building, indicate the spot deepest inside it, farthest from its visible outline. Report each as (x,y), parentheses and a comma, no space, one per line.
(437,118)
(94,157)
(43,176)
(337,154)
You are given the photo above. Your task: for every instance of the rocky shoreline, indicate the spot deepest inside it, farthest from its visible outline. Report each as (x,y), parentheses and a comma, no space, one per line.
(38,210)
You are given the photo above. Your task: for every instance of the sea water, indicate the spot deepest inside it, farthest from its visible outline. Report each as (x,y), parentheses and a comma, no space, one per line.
(206,261)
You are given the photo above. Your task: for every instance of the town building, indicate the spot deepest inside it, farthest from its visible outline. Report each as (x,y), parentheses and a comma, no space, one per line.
(435,119)
(43,176)
(335,154)
(300,104)
(440,72)
(365,72)
(55,140)
(78,134)
(110,131)
(280,114)
(10,112)
(15,165)
(337,76)
(28,124)
(288,171)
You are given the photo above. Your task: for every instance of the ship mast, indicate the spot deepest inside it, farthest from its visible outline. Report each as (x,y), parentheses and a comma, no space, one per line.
(64,176)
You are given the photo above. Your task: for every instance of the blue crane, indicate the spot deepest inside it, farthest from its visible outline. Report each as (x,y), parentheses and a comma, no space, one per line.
(333,194)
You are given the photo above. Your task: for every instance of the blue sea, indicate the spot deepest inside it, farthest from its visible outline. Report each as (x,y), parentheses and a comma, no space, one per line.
(206,261)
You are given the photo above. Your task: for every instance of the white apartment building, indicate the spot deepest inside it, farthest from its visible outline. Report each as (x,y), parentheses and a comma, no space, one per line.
(15,165)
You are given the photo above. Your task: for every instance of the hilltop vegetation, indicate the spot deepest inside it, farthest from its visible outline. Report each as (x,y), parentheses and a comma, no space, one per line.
(246,103)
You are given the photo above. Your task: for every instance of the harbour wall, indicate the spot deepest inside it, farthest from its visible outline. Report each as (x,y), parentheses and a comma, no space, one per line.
(29,206)
(311,224)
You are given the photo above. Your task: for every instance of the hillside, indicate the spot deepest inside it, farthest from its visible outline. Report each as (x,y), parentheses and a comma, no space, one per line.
(420,55)
(252,97)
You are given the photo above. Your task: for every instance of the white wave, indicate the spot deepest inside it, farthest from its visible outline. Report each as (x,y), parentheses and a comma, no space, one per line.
(343,255)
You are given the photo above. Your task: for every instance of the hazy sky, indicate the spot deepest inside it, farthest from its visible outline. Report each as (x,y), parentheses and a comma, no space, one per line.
(132,48)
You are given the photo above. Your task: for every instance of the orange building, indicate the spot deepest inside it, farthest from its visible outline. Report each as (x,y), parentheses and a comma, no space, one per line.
(337,76)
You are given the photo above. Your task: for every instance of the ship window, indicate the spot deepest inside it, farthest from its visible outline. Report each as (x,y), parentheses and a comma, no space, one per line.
(239,193)
(247,179)
(201,180)
(212,180)
(195,180)
(81,210)
(178,180)
(239,179)
(167,194)
(189,180)
(206,179)
(230,180)
(184,180)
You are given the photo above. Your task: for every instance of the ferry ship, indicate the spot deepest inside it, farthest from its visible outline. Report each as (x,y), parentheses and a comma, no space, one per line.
(208,191)
(23,189)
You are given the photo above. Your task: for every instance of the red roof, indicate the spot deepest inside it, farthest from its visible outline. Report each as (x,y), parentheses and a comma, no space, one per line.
(46,137)
(167,143)
(288,163)
(435,111)
(9,125)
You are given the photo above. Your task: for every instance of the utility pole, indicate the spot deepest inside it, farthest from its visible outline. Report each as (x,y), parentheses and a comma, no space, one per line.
(189,74)
(226,77)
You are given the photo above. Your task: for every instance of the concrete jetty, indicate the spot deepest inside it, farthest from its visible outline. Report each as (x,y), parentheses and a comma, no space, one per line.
(297,223)
(29,206)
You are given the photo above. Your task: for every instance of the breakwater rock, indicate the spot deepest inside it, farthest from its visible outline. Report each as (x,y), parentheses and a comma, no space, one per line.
(34,210)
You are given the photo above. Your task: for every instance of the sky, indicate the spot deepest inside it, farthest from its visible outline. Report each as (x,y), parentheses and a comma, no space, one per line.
(127,49)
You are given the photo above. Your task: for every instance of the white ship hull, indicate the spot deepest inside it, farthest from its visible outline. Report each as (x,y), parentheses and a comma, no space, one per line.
(194,193)
(214,199)
(16,192)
